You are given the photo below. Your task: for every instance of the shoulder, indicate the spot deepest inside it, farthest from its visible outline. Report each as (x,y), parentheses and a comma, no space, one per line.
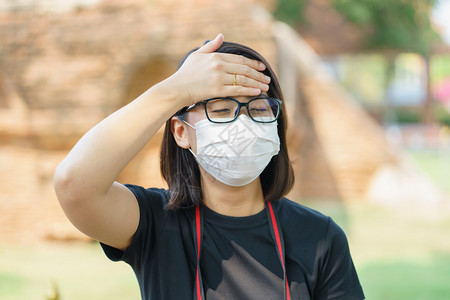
(294,213)
(152,201)
(316,241)
(154,196)
(297,219)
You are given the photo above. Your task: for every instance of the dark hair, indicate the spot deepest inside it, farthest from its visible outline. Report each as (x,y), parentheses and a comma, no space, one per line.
(180,169)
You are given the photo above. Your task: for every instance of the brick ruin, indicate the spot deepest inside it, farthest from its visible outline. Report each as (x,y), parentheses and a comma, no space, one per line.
(63,72)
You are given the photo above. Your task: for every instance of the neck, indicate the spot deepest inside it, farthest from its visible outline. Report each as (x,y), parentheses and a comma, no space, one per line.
(230,200)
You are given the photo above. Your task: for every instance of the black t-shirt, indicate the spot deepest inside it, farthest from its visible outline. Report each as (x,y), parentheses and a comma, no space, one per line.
(239,258)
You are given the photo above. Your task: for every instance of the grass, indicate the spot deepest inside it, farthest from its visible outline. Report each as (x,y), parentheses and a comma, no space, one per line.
(78,270)
(398,278)
(404,256)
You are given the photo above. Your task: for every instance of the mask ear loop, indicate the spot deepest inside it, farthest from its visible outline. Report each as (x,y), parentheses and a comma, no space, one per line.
(187,124)
(194,129)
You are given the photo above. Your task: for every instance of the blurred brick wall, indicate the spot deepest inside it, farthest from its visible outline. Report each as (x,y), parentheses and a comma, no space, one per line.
(64,70)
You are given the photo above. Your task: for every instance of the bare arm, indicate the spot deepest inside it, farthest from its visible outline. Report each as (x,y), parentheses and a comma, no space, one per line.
(85,180)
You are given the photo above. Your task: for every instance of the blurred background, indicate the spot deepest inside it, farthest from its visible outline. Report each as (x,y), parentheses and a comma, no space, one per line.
(366,83)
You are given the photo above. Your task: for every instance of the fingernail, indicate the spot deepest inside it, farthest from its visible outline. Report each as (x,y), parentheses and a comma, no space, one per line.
(262,66)
(265,87)
(267,79)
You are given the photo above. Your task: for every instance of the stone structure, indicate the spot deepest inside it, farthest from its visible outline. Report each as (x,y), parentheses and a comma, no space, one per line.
(63,71)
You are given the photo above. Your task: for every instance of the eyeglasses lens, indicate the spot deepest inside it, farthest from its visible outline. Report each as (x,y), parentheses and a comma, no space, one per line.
(221,110)
(263,110)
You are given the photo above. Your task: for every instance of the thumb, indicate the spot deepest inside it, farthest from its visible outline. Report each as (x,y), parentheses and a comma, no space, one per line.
(212,46)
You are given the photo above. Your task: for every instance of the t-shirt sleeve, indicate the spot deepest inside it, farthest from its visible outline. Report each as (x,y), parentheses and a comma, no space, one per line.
(338,279)
(152,219)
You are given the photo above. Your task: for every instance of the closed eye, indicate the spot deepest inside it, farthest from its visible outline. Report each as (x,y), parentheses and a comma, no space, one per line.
(218,111)
(259,109)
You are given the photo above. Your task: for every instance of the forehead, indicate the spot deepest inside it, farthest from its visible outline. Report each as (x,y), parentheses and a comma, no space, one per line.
(247,98)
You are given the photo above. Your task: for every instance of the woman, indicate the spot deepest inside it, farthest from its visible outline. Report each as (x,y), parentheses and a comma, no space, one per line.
(223,229)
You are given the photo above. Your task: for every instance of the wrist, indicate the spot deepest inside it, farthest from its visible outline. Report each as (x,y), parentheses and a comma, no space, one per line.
(169,91)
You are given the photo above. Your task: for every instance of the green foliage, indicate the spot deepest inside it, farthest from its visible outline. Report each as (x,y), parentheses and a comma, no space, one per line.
(442,115)
(410,115)
(407,115)
(364,76)
(398,24)
(356,11)
(290,11)
(440,67)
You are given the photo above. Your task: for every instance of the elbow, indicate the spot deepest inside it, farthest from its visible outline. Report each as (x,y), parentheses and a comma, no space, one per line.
(65,184)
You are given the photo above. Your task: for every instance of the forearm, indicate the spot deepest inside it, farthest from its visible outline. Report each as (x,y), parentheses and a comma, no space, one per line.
(94,163)
(97,159)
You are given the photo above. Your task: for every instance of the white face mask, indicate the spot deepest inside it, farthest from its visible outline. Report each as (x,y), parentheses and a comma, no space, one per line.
(235,153)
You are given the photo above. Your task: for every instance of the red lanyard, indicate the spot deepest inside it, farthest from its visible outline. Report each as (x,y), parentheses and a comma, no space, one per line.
(277,236)
(198,236)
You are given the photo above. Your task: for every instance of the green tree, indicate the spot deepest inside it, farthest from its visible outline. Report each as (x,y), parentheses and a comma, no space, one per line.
(290,11)
(398,24)
(395,24)
(402,25)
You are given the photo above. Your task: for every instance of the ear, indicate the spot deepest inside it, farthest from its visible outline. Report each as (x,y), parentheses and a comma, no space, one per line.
(179,131)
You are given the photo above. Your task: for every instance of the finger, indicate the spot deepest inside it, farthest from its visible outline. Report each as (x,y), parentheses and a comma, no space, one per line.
(211,46)
(248,82)
(239,90)
(247,71)
(242,60)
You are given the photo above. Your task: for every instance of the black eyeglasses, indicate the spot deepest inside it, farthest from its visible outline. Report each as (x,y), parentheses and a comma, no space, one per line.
(261,109)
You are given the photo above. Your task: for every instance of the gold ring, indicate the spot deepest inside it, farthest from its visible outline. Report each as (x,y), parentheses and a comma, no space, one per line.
(234,83)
